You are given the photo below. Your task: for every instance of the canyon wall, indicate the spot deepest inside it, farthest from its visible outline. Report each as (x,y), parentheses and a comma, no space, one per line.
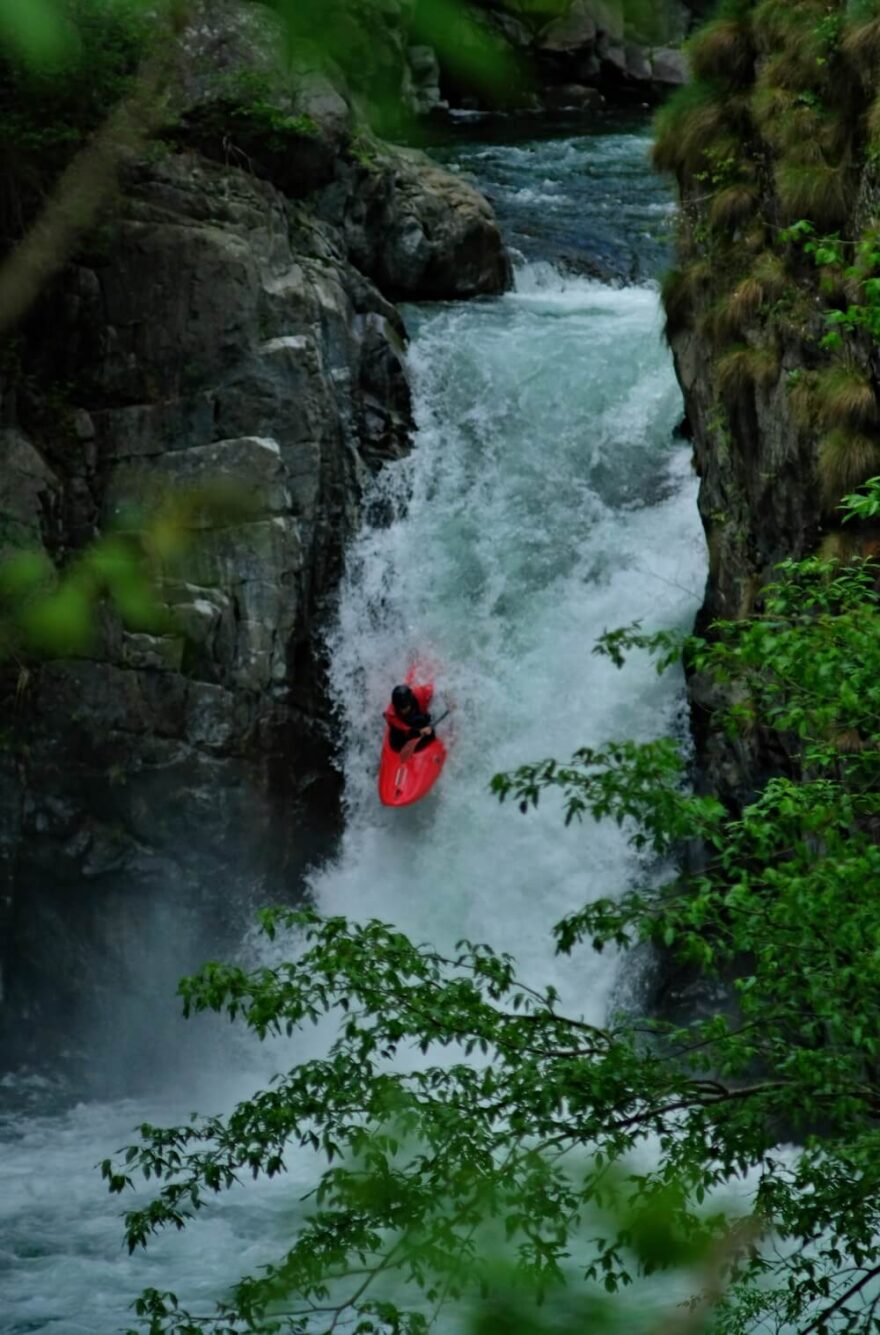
(228,324)
(769,309)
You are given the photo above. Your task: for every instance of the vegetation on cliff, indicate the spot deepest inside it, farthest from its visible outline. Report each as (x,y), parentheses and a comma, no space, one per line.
(773,145)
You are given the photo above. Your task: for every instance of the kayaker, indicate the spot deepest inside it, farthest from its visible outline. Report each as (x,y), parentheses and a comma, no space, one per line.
(408,720)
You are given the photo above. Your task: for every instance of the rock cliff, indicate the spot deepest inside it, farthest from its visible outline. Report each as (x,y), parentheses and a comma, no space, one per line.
(576,51)
(770,307)
(230,321)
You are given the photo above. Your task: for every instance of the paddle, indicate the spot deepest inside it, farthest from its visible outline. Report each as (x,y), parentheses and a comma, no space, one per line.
(409,747)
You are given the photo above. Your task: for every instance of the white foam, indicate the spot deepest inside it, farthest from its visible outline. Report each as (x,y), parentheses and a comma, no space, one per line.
(520,544)
(505,565)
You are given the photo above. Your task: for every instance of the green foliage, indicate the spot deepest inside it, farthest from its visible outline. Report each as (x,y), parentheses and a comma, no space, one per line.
(52,614)
(47,612)
(510,1162)
(861,272)
(83,64)
(35,33)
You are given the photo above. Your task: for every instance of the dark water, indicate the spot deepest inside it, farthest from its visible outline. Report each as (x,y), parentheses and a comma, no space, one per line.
(580,196)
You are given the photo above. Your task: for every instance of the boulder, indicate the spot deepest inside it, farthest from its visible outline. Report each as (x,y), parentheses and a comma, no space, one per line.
(669,67)
(29,492)
(571,31)
(567,96)
(424,81)
(442,240)
(420,232)
(636,62)
(613,54)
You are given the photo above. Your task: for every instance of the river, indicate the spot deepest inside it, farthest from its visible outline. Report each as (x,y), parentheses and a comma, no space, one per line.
(546,500)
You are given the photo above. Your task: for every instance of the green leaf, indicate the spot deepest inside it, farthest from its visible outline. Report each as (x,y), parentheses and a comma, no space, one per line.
(35,31)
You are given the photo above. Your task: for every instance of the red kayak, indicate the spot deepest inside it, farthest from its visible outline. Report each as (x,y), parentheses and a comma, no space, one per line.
(404,781)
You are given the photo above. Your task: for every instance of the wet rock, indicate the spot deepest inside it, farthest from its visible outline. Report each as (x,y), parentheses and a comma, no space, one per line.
(571,31)
(228,334)
(420,232)
(636,62)
(668,67)
(424,81)
(573,95)
(29,491)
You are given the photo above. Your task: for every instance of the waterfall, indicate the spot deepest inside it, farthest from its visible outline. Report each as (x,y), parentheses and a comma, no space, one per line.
(546,500)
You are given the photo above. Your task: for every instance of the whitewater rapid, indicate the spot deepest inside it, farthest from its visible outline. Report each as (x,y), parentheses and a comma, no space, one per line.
(546,500)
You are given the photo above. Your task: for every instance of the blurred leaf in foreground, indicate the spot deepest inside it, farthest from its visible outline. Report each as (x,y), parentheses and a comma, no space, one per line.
(35,31)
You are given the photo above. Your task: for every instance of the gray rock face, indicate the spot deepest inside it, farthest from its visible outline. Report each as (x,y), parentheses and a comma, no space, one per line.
(668,67)
(571,31)
(591,42)
(28,492)
(215,340)
(419,232)
(423,88)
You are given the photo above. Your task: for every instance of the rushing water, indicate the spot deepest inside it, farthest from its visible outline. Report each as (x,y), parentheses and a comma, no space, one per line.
(546,501)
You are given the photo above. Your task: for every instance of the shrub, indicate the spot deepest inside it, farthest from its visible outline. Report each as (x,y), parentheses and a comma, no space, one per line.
(769,271)
(720,323)
(861,45)
(847,458)
(810,132)
(776,23)
(845,396)
(815,190)
(722,51)
(733,206)
(688,125)
(872,122)
(677,302)
(770,104)
(802,398)
(48,111)
(679,290)
(841,546)
(746,299)
(742,368)
(799,67)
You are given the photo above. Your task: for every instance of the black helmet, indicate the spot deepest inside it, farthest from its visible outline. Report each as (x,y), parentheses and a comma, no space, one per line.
(403,699)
